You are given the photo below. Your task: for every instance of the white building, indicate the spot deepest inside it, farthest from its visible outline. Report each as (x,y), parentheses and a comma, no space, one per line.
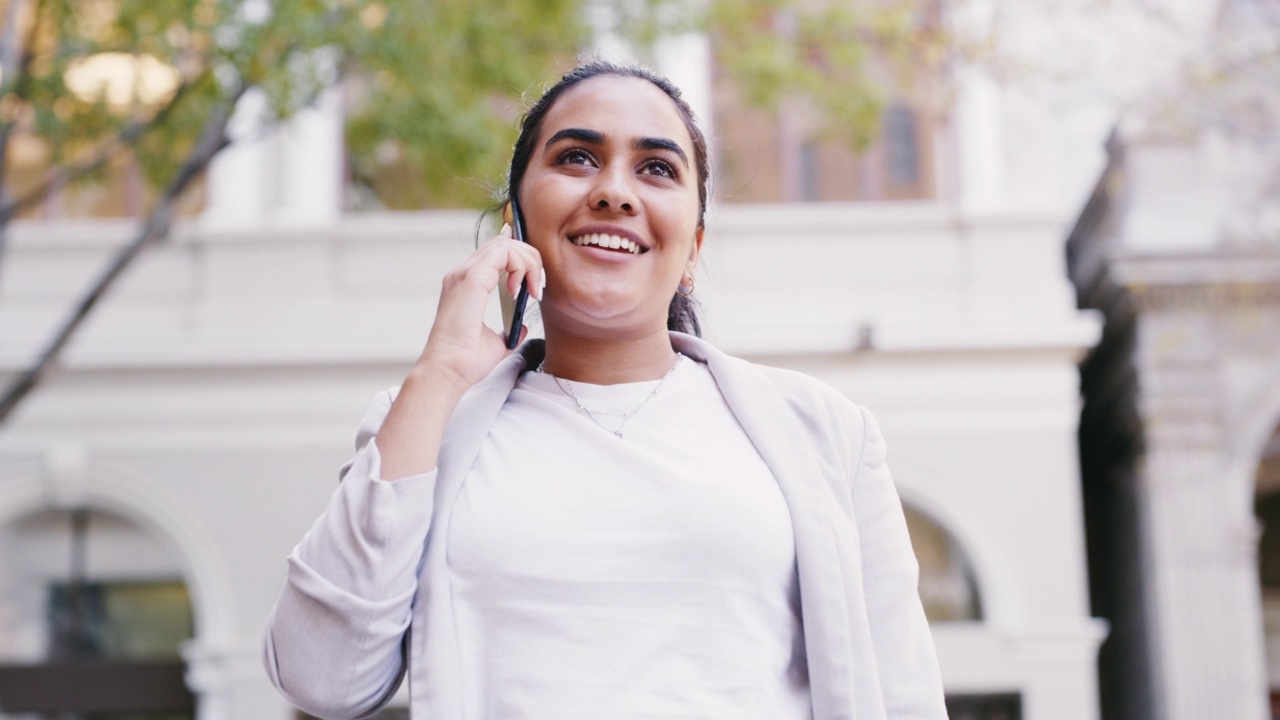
(196,424)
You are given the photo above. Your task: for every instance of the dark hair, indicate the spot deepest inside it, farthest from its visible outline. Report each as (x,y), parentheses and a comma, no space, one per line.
(682,314)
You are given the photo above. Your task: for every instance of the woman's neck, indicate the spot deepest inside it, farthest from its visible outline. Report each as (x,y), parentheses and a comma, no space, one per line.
(608,361)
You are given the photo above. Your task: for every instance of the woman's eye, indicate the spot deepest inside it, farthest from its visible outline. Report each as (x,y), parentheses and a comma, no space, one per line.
(575,157)
(661,168)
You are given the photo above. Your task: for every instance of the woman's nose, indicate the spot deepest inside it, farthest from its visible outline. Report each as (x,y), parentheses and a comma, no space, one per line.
(613,191)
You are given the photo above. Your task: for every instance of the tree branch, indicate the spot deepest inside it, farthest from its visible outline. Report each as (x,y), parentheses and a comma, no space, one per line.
(15,65)
(213,139)
(63,174)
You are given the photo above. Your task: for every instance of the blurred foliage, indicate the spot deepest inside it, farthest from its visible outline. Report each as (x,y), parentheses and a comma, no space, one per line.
(843,60)
(436,88)
(433,87)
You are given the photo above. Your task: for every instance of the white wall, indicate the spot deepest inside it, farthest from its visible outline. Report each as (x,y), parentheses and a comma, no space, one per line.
(214,394)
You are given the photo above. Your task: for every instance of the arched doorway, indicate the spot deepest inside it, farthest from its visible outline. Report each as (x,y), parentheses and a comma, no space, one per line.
(93,613)
(948,585)
(1267,508)
(950,593)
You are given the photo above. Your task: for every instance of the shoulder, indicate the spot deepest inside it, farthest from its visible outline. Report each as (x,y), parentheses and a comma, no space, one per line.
(807,391)
(824,411)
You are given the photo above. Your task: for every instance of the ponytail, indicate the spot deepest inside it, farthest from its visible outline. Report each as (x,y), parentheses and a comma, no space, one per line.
(682,315)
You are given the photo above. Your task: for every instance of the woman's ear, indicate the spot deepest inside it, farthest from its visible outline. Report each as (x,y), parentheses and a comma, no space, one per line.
(507,216)
(697,247)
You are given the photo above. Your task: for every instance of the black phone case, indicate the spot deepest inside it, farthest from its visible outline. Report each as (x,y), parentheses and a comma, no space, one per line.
(522,298)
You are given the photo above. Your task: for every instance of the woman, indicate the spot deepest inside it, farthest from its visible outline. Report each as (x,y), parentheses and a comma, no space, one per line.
(621,521)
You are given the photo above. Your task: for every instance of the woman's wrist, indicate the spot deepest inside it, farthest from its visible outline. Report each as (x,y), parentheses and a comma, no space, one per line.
(409,439)
(442,380)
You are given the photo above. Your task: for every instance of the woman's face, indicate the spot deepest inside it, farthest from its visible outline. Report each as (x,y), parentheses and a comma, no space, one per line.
(610,200)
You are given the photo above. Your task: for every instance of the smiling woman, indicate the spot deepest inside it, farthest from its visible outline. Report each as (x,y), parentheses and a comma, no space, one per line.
(613,170)
(618,521)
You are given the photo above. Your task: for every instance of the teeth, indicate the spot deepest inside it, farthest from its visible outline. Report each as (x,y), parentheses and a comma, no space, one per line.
(612,242)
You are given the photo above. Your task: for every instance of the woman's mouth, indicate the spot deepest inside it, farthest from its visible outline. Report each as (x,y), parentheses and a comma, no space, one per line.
(608,242)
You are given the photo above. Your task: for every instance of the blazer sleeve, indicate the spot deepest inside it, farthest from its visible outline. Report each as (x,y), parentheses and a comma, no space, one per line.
(906,661)
(335,640)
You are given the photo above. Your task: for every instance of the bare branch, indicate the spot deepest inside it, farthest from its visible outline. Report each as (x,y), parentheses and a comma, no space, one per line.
(15,62)
(11,50)
(213,139)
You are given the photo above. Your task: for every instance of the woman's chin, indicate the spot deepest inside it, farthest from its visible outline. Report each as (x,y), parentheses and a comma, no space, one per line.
(599,319)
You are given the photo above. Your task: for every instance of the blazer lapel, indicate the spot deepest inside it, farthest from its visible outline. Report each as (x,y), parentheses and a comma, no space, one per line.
(767,419)
(475,415)
(463,437)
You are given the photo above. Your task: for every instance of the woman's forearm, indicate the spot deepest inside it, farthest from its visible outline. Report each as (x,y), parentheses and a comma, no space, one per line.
(334,641)
(409,440)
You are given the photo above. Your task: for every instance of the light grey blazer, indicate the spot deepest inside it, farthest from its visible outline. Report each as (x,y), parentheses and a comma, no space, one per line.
(367,598)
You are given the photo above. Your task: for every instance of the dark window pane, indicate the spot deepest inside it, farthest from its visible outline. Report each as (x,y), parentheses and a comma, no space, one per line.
(119,620)
(1006,706)
(809,191)
(901,145)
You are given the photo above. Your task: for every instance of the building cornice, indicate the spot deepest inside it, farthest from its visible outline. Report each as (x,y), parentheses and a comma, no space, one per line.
(1221,279)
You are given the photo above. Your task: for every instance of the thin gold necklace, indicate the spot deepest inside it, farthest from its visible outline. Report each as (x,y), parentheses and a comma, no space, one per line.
(626,416)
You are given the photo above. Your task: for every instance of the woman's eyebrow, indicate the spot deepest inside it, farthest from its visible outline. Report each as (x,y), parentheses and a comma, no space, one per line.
(590,137)
(595,137)
(654,143)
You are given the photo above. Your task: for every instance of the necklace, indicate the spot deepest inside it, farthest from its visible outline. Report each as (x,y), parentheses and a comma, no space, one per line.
(567,388)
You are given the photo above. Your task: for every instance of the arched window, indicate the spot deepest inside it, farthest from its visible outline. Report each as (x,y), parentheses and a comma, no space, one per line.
(948,587)
(93,611)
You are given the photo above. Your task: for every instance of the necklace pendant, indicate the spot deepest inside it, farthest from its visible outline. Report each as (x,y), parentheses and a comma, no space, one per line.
(567,389)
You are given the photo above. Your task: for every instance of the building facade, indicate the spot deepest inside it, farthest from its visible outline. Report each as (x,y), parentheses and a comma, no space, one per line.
(193,431)
(1179,434)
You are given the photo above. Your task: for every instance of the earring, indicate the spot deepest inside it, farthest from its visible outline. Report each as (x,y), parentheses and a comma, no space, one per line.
(682,292)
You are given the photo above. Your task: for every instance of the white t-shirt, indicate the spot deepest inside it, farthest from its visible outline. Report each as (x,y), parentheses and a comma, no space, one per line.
(649,576)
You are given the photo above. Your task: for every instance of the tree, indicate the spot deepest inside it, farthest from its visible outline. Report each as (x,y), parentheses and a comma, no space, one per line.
(1229,91)
(438,83)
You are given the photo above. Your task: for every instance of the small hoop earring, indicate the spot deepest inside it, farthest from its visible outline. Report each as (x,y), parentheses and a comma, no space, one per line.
(680,289)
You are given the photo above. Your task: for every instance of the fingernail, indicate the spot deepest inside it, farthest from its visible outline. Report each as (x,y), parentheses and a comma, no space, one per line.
(542,286)
(506,230)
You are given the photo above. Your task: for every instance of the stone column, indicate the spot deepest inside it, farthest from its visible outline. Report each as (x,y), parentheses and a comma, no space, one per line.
(1204,609)
(1061,671)
(230,683)
(1206,646)
(281,176)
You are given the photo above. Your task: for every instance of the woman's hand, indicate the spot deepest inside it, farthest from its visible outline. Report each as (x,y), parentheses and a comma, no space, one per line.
(461,350)
(460,344)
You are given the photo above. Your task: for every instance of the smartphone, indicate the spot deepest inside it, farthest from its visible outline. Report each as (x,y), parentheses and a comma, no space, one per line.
(513,308)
